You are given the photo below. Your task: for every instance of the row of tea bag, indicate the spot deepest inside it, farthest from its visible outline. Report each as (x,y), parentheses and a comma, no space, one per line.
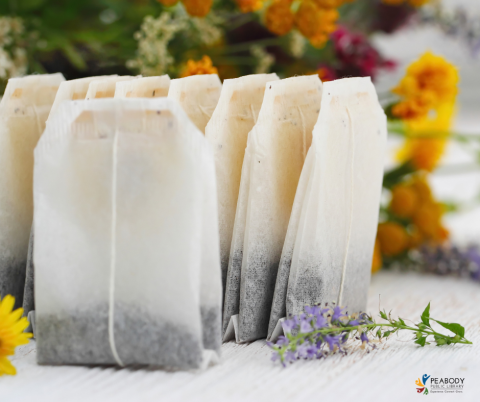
(33,104)
(305,217)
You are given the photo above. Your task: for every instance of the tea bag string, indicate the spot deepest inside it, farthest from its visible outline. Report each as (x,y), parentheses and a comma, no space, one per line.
(253,114)
(113,252)
(304,132)
(349,235)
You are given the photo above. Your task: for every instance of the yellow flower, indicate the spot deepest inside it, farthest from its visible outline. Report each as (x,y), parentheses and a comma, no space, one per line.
(200,67)
(420,185)
(168,3)
(429,82)
(315,23)
(198,8)
(279,17)
(428,220)
(248,6)
(377,260)
(12,326)
(404,201)
(393,238)
(427,138)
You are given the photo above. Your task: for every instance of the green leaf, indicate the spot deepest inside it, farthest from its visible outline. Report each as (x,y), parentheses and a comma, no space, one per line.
(379,333)
(457,329)
(426,315)
(387,334)
(396,175)
(383,315)
(401,321)
(421,341)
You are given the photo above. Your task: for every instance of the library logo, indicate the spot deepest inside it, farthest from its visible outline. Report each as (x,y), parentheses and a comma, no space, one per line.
(439,385)
(422,384)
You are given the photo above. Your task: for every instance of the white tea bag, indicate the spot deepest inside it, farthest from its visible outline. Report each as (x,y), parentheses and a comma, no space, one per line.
(143,87)
(227,131)
(198,95)
(68,90)
(275,154)
(105,88)
(331,234)
(125,221)
(23,111)
(74,90)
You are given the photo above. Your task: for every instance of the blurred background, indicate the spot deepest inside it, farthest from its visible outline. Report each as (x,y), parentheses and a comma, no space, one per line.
(423,56)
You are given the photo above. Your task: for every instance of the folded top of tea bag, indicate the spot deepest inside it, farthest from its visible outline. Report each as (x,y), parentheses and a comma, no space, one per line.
(143,87)
(105,88)
(37,91)
(74,89)
(198,95)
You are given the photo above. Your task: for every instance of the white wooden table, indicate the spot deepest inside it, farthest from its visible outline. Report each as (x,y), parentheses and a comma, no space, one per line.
(247,374)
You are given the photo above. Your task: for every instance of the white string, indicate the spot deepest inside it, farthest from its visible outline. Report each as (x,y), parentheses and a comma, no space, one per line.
(113,253)
(302,118)
(253,114)
(342,284)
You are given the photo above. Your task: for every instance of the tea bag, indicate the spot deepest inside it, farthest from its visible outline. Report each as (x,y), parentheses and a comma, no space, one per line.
(143,87)
(227,132)
(75,90)
(328,252)
(105,88)
(68,90)
(23,111)
(125,221)
(198,95)
(276,150)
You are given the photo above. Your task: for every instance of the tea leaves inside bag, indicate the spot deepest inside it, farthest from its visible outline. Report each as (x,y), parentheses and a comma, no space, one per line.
(227,131)
(276,150)
(122,188)
(23,111)
(332,232)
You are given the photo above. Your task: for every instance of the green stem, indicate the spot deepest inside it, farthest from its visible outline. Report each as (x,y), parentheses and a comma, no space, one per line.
(327,331)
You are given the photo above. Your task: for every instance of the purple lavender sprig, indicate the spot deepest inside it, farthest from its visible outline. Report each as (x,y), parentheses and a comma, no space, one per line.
(319,332)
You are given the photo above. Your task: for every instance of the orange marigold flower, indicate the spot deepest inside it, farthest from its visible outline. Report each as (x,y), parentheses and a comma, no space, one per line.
(416,238)
(377,260)
(248,6)
(203,66)
(328,3)
(420,185)
(425,153)
(393,238)
(168,3)
(431,79)
(404,201)
(315,23)
(198,8)
(279,17)
(428,220)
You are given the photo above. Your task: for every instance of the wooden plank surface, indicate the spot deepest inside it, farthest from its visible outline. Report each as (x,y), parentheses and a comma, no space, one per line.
(247,374)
